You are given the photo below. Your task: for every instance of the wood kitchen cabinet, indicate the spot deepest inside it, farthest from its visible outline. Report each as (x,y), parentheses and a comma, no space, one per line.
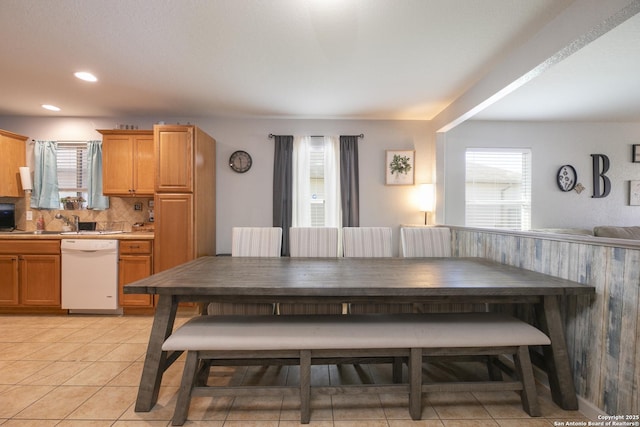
(185,210)
(30,272)
(128,162)
(13,149)
(173,230)
(174,147)
(135,263)
(9,284)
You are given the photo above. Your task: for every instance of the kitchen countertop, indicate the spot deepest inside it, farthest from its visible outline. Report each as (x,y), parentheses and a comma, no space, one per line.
(56,235)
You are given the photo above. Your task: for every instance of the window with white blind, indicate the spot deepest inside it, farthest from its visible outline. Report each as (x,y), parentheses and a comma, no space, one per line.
(72,169)
(498,188)
(316,181)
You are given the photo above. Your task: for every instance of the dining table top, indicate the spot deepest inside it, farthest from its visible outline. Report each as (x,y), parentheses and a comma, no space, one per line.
(348,277)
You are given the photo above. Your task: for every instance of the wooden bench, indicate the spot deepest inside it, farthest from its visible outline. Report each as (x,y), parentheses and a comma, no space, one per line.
(306,338)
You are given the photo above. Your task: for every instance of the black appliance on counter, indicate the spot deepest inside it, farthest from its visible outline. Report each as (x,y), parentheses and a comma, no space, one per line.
(7,216)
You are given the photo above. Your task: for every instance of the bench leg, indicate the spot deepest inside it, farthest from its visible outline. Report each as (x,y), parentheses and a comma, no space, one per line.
(186,386)
(396,371)
(495,374)
(525,371)
(305,386)
(415,383)
(202,374)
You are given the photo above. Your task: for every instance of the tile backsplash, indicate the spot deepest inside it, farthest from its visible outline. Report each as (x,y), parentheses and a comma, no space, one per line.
(121,210)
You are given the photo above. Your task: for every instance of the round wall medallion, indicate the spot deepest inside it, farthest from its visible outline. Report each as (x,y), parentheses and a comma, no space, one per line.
(240,161)
(567,178)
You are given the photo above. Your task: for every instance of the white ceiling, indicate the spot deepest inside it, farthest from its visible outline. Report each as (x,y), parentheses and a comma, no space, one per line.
(600,82)
(366,59)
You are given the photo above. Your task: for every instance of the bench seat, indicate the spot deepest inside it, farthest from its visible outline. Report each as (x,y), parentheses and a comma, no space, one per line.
(305,337)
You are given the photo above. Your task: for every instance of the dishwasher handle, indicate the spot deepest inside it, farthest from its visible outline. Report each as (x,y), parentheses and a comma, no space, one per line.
(89,245)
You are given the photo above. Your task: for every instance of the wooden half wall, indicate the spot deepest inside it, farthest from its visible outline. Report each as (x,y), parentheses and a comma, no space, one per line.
(603,333)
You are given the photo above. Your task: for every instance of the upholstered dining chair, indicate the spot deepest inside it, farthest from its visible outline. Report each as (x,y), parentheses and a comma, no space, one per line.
(256,241)
(366,242)
(250,242)
(431,242)
(312,242)
(423,242)
(370,242)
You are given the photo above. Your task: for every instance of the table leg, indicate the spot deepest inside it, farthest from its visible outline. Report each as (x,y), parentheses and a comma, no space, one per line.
(556,355)
(155,360)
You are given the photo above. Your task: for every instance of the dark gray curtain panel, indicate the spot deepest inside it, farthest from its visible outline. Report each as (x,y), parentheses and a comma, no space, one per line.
(349,181)
(283,187)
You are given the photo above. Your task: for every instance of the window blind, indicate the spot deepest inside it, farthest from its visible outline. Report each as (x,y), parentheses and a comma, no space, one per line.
(72,167)
(498,188)
(316,174)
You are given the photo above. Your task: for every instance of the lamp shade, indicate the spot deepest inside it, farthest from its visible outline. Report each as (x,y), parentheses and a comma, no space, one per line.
(426,197)
(25,178)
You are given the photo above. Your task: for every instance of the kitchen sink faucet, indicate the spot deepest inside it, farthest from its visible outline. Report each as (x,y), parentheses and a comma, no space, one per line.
(63,218)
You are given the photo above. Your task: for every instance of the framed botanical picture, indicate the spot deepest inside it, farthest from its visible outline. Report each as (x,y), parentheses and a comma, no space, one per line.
(635,156)
(399,167)
(634,193)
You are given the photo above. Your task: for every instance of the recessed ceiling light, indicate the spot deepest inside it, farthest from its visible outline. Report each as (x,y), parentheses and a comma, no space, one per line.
(50,107)
(87,77)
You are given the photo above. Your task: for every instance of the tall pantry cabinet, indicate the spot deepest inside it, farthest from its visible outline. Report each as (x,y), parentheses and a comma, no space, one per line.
(185,199)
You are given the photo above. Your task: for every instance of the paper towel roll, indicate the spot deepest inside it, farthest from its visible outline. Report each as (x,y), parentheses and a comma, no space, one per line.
(25,178)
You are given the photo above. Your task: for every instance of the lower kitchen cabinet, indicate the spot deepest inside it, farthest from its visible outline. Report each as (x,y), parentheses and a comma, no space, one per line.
(10,284)
(40,280)
(30,273)
(135,263)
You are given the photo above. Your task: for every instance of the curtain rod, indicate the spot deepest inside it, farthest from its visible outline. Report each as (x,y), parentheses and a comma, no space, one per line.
(318,136)
(64,140)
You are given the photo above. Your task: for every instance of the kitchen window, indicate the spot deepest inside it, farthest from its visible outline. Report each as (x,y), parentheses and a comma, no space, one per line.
(498,188)
(72,169)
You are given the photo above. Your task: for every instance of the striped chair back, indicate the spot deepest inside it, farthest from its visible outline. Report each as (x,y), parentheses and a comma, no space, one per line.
(425,242)
(313,242)
(366,242)
(250,242)
(256,241)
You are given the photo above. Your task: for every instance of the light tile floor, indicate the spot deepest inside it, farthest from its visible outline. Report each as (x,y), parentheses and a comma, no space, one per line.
(83,370)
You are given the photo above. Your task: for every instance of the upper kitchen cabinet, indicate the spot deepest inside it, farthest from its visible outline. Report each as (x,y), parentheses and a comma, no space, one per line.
(128,162)
(13,149)
(175,156)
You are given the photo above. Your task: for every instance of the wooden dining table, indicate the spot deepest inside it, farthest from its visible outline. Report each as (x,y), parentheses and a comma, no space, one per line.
(357,280)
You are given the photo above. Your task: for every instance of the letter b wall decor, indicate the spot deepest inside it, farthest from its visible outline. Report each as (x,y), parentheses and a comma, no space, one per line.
(599,176)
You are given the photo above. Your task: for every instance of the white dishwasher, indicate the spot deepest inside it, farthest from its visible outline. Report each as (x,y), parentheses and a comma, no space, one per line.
(90,276)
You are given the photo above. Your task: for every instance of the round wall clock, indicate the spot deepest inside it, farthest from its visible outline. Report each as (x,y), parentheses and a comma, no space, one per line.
(567,178)
(240,161)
